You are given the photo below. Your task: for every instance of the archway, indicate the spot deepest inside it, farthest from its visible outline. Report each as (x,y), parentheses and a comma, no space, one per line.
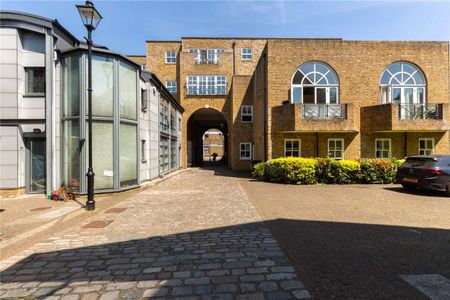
(199,123)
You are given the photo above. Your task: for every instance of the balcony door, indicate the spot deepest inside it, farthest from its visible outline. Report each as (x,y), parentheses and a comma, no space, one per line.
(411,100)
(324,104)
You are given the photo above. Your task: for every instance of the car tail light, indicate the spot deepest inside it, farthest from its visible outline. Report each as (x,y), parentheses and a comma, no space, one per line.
(435,171)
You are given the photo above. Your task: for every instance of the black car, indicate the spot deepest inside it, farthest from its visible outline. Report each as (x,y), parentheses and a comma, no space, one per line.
(429,172)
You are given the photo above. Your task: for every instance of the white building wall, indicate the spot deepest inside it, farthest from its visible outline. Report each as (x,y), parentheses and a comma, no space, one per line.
(8,73)
(154,132)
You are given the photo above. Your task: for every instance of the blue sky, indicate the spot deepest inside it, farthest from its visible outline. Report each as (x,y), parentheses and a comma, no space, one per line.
(127,24)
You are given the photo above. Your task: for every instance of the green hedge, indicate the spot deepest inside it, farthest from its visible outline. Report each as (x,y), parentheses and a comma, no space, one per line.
(300,170)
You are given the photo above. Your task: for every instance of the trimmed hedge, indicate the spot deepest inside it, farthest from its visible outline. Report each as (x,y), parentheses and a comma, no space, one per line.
(300,170)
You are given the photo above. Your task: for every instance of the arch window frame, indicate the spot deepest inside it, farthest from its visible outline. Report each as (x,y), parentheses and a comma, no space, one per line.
(315,77)
(402,86)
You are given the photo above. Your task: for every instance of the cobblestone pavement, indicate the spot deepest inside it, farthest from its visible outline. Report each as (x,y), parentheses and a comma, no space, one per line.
(193,236)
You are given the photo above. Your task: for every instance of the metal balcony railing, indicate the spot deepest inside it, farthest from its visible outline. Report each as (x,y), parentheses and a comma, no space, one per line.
(209,91)
(207,61)
(324,111)
(419,111)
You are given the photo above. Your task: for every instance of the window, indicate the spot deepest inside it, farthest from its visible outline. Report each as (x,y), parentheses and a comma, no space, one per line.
(426,146)
(292,147)
(206,85)
(245,151)
(383,148)
(171,86)
(246,113)
(35,81)
(144,99)
(246,54)
(171,57)
(315,83)
(128,91)
(336,148)
(404,83)
(206,56)
(143,154)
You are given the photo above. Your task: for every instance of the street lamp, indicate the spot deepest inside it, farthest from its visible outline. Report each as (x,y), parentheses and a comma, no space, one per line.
(91,18)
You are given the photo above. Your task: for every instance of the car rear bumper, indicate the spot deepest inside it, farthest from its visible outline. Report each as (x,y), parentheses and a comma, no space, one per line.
(432,183)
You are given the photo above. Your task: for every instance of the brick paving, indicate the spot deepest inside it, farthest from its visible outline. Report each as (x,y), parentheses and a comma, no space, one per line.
(193,236)
(358,241)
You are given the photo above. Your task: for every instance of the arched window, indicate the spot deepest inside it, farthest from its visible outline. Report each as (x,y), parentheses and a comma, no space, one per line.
(315,83)
(404,83)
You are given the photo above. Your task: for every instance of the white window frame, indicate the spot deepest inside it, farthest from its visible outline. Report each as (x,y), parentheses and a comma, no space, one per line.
(247,54)
(292,150)
(387,89)
(247,111)
(202,85)
(423,151)
(171,57)
(343,148)
(318,76)
(171,86)
(249,150)
(382,140)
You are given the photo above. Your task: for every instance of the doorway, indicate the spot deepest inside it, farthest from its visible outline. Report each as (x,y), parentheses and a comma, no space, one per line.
(201,121)
(36,166)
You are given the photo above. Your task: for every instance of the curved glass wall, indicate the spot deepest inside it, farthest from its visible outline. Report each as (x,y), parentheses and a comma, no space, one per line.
(115,124)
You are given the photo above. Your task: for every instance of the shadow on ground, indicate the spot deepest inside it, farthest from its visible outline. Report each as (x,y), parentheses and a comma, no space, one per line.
(334,260)
(417,192)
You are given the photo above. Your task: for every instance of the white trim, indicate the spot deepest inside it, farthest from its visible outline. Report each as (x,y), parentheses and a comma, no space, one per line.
(390,147)
(426,149)
(244,55)
(343,148)
(172,89)
(292,150)
(167,57)
(245,150)
(244,114)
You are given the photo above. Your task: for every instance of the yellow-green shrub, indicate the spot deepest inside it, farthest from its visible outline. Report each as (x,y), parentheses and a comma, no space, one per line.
(291,170)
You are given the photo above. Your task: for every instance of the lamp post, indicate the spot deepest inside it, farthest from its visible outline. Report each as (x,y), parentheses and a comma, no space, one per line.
(91,18)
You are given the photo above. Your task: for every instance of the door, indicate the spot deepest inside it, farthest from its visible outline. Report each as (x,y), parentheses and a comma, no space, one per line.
(36,166)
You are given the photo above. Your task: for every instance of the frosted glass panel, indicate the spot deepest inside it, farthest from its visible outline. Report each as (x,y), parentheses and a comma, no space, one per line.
(128,155)
(102,86)
(71,86)
(102,148)
(127,91)
(71,154)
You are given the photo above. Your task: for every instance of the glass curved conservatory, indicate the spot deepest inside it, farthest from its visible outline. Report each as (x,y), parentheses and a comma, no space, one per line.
(115,122)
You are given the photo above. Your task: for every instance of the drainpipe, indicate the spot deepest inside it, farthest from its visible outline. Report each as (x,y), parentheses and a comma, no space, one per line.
(317,144)
(266,108)
(234,58)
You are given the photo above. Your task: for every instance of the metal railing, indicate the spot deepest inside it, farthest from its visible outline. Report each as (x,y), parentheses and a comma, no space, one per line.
(208,61)
(419,111)
(324,111)
(209,91)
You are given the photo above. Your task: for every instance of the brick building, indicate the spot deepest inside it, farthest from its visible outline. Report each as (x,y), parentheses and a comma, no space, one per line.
(307,97)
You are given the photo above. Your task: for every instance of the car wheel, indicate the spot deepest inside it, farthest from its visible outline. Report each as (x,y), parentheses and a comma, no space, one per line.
(448,189)
(408,186)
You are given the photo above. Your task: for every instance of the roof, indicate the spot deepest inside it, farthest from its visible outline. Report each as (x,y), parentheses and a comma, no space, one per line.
(149,76)
(6,15)
(99,50)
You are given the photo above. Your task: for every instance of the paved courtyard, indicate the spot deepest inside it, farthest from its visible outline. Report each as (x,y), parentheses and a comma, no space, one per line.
(193,236)
(360,241)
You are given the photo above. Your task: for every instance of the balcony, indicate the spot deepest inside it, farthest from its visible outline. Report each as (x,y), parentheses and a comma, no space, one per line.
(206,61)
(323,111)
(405,117)
(209,91)
(314,118)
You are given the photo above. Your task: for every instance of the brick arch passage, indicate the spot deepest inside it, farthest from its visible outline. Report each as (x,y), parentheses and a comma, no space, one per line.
(199,122)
